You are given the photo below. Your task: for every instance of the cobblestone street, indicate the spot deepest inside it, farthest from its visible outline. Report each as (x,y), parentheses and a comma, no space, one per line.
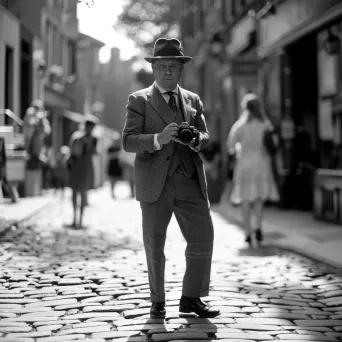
(63,285)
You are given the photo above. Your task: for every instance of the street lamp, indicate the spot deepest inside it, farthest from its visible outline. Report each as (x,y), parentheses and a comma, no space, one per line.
(41,69)
(216,45)
(332,44)
(268,9)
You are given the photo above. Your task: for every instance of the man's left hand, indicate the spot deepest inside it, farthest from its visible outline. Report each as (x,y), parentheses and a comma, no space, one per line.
(191,144)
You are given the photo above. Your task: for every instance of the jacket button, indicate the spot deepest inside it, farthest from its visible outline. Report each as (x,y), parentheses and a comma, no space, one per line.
(168,158)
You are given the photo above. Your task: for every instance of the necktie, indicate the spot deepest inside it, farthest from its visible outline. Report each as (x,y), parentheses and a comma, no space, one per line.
(172,101)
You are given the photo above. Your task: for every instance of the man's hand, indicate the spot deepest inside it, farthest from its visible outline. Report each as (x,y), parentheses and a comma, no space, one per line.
(169,133)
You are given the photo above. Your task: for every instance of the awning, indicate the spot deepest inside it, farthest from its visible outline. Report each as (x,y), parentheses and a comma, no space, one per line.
(250,44)
(78,117)
(243,37)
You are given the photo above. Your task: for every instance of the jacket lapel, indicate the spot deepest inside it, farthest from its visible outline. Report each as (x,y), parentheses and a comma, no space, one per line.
(185,103)
(158,103)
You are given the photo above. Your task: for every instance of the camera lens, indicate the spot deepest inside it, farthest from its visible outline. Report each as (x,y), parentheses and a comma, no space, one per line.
(186,135)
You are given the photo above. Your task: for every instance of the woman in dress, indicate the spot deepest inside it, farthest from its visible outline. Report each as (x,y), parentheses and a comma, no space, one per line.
(253,177)
(81,170)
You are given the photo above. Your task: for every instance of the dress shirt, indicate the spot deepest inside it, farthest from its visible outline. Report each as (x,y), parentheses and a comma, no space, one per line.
(166,97)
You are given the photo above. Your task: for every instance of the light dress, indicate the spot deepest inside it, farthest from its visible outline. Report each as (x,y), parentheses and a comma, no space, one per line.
(253,176)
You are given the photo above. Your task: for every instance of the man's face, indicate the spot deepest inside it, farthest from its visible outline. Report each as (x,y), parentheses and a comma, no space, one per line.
(167,73)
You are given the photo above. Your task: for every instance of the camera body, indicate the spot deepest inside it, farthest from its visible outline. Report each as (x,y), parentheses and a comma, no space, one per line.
(187,133)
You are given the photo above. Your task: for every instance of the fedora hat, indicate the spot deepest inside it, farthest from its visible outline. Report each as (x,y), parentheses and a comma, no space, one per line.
(168,48)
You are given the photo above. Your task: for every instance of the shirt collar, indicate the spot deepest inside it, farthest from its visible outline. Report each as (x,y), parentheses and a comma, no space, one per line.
(162,90)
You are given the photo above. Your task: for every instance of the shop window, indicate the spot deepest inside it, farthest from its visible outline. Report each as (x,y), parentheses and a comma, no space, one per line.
(48,42)
(327,88)
(71,58)
(325,123)
(327,68)
(9,78)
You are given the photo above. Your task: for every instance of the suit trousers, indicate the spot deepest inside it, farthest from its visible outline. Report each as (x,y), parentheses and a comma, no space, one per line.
(181,196)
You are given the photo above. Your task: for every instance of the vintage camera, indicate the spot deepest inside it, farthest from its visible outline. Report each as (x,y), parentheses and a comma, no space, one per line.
(187,133)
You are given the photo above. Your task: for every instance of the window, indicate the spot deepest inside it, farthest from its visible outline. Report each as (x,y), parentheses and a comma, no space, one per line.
(95,61)
(71,58)
(9,78)
(48,42)
(93,94)
(228,10)
(64,43)
(57,48)
(66,5)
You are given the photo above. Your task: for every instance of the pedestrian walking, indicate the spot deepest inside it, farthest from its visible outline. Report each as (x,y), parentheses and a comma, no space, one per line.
(127,162)
(81,170)
(253,177)
(166,128)
(114,167)
(5,187)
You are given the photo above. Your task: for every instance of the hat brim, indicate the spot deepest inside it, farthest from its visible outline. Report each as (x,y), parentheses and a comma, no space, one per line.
(185,59)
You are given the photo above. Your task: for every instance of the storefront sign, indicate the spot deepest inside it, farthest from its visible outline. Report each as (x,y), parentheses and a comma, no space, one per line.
(290,16)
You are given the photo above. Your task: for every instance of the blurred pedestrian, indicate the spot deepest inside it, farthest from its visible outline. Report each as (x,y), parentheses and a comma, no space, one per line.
(5,187)
(83,146)
(211,156)
(35,123)
(114,167)
(169,177)
(253,177)
(127,162)
(48,162)
(60,171)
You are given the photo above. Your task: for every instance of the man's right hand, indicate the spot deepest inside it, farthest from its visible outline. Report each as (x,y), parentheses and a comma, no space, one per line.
(169,133)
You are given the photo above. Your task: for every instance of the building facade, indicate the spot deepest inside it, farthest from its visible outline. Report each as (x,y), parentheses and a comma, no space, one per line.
(203,27)
(299,50)
(49,31)
(10,52)
(119,81)
(289,52)
(89,98)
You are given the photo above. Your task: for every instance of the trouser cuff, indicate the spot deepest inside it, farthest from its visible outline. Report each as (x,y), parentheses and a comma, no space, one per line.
(156,298)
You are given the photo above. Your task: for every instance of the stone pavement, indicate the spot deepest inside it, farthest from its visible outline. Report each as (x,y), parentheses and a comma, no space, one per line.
(296,231)
(15,213)
(63,285)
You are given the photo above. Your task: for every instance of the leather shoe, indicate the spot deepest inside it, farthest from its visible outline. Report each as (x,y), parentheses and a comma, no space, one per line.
(196,305)
(158,310)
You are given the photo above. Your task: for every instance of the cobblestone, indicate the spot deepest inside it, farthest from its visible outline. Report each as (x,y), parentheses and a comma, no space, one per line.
(63,285)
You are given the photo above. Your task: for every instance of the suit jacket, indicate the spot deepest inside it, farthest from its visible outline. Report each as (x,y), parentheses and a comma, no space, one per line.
(147,114)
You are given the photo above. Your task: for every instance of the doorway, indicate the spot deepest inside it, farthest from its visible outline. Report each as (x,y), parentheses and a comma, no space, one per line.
(25,77)
(304,85)
(303,91)
(9,80)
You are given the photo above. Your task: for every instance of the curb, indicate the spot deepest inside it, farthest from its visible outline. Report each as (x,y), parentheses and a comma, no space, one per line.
(302,252)
(9,225)
(285,245)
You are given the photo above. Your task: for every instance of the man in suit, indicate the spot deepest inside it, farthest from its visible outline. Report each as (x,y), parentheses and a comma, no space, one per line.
(169,177)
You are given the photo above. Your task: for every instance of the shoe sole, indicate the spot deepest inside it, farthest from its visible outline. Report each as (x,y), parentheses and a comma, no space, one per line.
(157,316)
(183,310)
